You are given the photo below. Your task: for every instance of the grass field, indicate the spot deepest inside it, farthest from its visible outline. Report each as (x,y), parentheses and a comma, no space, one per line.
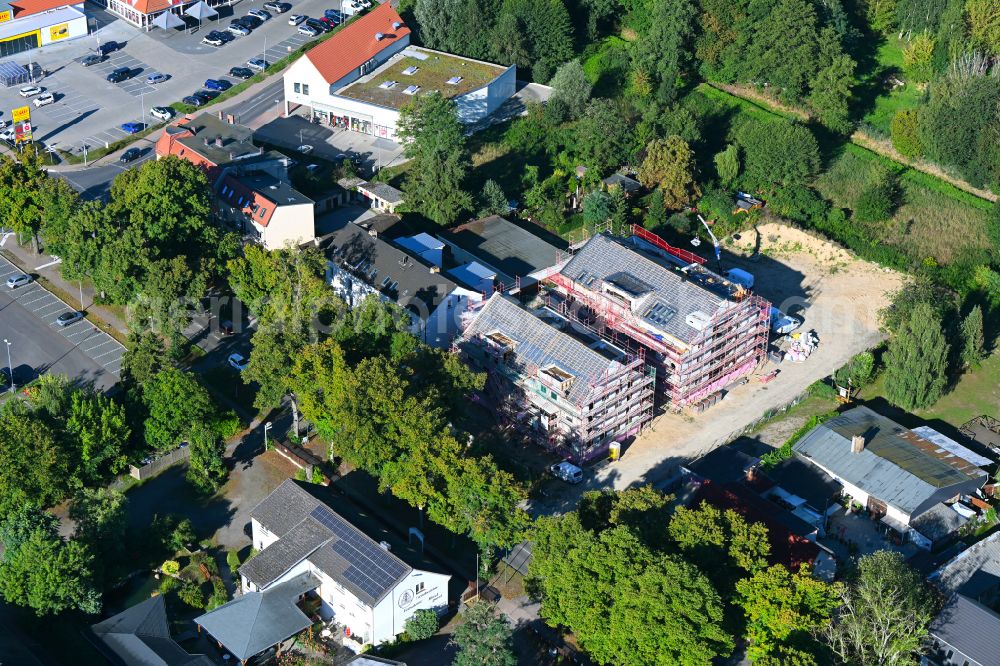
(933,219)
(892,100)
(977,393)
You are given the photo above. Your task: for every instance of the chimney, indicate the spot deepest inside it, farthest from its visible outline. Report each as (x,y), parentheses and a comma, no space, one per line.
(857,444)
(218,141)
(435,269)
(373,232)
(208,142)
(222,115)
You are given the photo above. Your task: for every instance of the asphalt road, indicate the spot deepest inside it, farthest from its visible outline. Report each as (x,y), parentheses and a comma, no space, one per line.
(262,102)
(95,182)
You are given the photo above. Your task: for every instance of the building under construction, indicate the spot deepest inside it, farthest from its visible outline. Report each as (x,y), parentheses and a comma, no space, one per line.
(570,391)
(699,330)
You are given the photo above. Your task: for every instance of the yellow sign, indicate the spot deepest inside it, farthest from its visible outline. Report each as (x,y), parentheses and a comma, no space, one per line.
(21,114)
(58,32)
(4,16)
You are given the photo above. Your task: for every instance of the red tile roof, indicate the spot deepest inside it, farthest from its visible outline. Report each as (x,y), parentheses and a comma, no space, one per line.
(355,45)
(169,144)
(24,8)
(253,201)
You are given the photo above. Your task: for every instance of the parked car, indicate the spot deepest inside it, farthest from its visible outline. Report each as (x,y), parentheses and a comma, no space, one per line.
(295,19)
(19,280)
(259,13)
(119,75)
(191,100)
(328,22)
(277,7)
(133,128)
(214,38)
(43,100)
(239,29)
(251,22)
(67,318)
(129,155)
(218,84)
(308,31)
(162,112)
(92,59)
(257,64)
(156,77)
(240,73)
(567,471)
(30,91)
(334,15)
(364,3)
(318,25)
(205,96)
(7,135)
(109,47)
(238,362)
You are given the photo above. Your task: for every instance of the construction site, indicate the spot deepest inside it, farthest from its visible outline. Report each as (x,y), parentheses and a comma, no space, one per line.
(566,389)
(700,331)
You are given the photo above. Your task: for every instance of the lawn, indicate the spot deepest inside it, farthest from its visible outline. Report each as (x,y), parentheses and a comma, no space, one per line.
(891,100)
(976,393)
(933,219)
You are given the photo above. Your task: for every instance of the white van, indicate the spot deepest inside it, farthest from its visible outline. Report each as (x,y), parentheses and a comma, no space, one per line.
(567,471)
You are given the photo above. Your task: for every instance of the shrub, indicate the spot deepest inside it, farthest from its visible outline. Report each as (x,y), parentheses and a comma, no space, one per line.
(770,460)
(168,584)
(317,475)
(422,625)
(233,560)
(219,594)
(190,593)
(300,475)
(171,567)
(905,130)
(228,425)
(182,535)
(878,200)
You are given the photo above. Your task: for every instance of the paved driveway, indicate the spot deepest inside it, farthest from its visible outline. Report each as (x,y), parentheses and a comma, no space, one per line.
(81,351)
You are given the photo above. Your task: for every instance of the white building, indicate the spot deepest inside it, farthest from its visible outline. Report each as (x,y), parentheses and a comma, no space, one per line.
(360,77)
(360,264)
(274,213)
(31,24)
(307,551)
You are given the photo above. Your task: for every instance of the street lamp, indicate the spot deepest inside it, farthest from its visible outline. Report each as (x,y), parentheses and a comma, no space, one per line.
(10,366)
(267,426)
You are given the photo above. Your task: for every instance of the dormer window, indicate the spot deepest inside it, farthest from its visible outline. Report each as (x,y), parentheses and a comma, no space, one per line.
(557,378)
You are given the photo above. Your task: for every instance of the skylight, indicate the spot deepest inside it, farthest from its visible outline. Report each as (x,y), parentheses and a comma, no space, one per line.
(411,70)
(455,80)
(387,84)
(411,90)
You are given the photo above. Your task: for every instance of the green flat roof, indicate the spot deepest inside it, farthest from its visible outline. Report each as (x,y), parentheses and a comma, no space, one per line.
(433,71)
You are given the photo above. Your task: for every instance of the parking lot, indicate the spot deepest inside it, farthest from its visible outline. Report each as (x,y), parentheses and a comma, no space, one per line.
(80,350)
(89,110)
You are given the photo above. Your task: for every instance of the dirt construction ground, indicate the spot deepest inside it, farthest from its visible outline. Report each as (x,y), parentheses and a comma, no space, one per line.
(836,294)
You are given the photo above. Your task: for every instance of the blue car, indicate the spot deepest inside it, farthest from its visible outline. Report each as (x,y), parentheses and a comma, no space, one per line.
(215,84)
(334,15)
(133,128)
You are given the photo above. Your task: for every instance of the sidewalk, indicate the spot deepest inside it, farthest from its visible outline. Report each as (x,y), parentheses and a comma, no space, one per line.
(46,270)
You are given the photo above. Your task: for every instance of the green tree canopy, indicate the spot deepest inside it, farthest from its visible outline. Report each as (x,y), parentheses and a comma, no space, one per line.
(669,165)
(177,404)
(492,200)
(777,153)
(422,624)
(435,144)
(50,575)
(916,361)
(571,88)
(973,339)
(483,638)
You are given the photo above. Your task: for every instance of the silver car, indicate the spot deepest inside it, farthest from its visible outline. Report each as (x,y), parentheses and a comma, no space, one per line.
(67,318)
(15,281)
(155,78)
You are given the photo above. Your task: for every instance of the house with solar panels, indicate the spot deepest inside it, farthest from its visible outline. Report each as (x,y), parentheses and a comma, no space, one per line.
(311,557)
(912,480)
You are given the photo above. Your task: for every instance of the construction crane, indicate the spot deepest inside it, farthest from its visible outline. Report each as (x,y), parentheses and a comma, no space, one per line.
(715,241)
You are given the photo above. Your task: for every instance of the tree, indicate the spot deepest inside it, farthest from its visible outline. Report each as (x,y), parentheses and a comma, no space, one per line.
(20,523)
(571,88)
(983,19)
(785,610)
(857,372)
(917,360)
(721,543)
(881,15)
(597,208)
(483,638)
(918,57)
(20,193)
(905,128)
(34,467)
(493,201)
(435,143)
(206,468)
(831,87)
(603,136)
(177,403)
(422,625)
(885,613)
(727,164)
(50,575)
(665,51)
(540,31)
(101,517)
(669,165)
(877,200)
(777,152)
(973,339)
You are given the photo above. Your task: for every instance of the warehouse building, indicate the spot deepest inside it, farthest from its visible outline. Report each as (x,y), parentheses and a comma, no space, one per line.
(31,24)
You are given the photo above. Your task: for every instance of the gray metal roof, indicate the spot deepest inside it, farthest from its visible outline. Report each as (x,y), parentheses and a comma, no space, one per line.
(140,636)
(383,191)
(668,297)
(539,344)
(309,530)
(505,246)
(895,466)
(375,261)
(971,569)
(722,465)
(621,180)
(938,522)
(970,628)
(801,479)
(253,622)
(371,660)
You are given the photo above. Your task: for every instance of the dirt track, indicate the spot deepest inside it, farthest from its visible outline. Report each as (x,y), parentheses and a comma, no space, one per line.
(836,294)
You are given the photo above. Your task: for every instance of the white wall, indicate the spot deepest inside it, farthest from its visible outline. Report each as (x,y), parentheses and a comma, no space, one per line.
(289,225)
(419,590)
(261,537)
(476,105)
(442,325)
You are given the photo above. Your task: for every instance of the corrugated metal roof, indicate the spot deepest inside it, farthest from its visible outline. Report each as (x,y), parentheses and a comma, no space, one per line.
(540,344)
(979,561)
(896,466)
(970,628)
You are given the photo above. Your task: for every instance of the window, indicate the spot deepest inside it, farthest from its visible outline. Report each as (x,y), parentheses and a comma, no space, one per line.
(262,212)
(305,88)
(297,87)
(420,588)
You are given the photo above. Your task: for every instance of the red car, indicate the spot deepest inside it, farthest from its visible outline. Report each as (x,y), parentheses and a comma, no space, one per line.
(329,22)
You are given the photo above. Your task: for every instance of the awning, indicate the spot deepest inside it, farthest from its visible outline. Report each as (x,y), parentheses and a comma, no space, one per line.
(894,524)
(168,20)
(201,11)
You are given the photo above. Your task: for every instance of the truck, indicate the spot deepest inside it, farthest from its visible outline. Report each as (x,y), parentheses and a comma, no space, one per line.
(740,277)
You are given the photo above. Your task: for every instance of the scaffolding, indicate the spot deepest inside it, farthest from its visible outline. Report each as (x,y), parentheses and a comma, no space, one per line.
(732,342)
(577,417)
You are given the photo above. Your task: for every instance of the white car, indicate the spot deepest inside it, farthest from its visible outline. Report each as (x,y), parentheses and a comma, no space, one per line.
(162,112)
(238,362)
(29,91)
(567,471)
(258,64)
(44,100)
(19,280)
(8,135)
(295,19)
